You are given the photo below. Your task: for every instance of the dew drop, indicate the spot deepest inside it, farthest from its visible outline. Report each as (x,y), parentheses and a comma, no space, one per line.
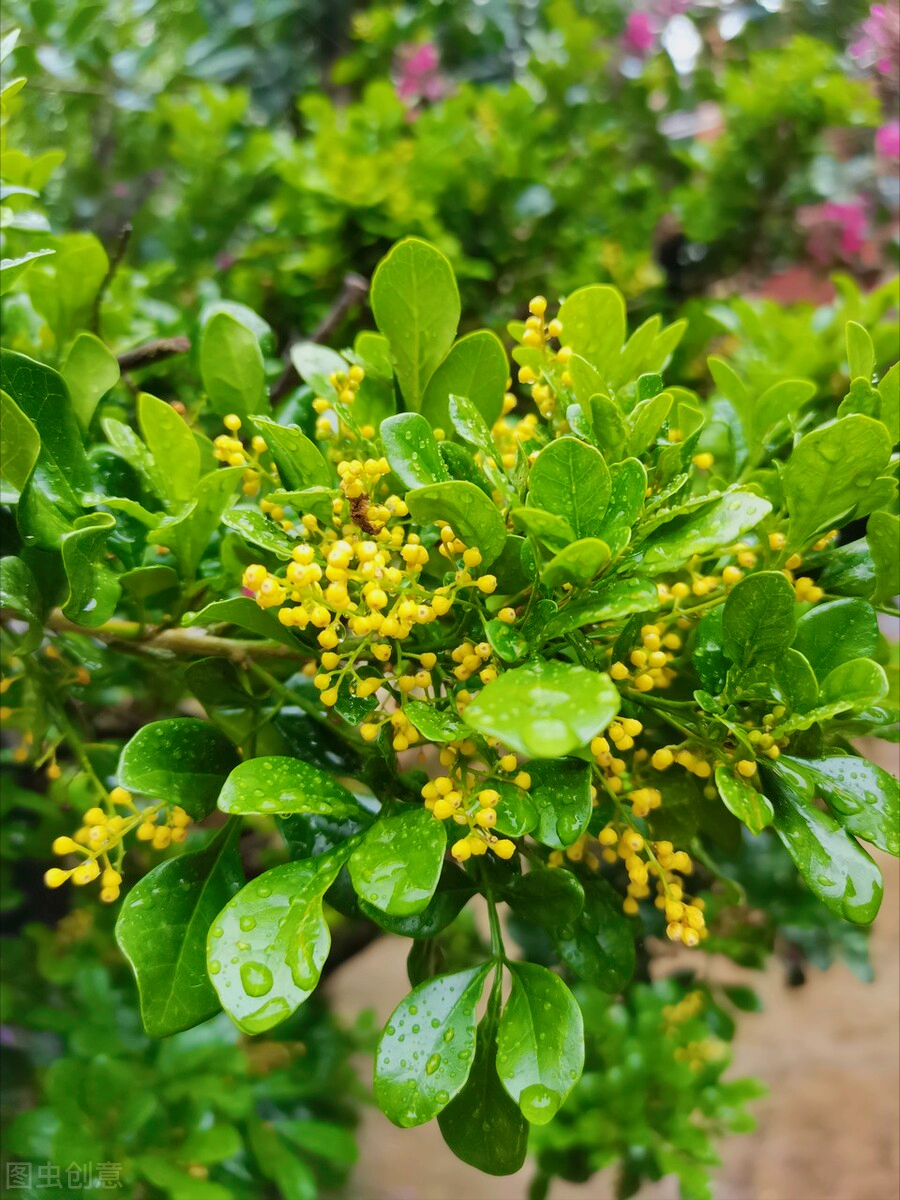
(247,923)
(256,979)
(432,1065)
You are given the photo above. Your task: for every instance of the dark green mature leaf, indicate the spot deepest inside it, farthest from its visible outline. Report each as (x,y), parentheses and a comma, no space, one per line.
(758,624)
(415,302)
(608,601)
(171,442)
(299,461)
(743,800)
(598,945)
(188,535)
(830,473)
(577,563)
(285,785)
(397,866)
(474,518)
(713,527)
(571,479)
(19,592)
(593,321)
(434,724)
(426,1050)
(245,614)
(162,930)
(412,451)
(709,660)
(547,896)
(267,947)
(864,797)
(94,589)
(883,536)
(232,367)
(472,427)
(835,867)
(540,1042)
(129,446)
(561,793)
(544,709)
(182,761)
(453,893)
(20,445)
(835,632)
(516,815)
(475,367)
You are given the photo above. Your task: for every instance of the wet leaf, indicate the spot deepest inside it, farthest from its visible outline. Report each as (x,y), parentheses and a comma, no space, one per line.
(285,785)
(398,864)
(182,761)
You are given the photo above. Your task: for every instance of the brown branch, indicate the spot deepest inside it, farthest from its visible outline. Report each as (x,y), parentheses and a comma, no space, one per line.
(115,258)
(353,291)
(153,352)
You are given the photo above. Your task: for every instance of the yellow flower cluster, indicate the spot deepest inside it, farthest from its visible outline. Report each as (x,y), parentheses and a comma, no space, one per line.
(229,449)
(462,797)
(648,664)
(684,918)
(536,335)
(345,385)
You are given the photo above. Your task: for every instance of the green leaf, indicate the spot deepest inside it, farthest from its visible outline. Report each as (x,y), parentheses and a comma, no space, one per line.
(162,930)
(299,461)
(453,893)
(598,944)
(607,602)
(548,528)
(267,947)
(889,391)
(545,896)
(412,451)
(863,797)
(474,518)
(709,660)
(64,292)
(647,418)
(883,537)
(435,725)
(170,441)
(425,1053)
(19,592)
(470,425)
(415,302)
(544,709)
(586,381)
(232,367)
(540,1042)
(245,614)
(571,479)
(397,866)
(11,269)
(835,632)
(734,390)
(314,364)
(744,801)
(91,369)
(561,793)
(516,815)
(713,527)
(211,1145)
(593,321)
(505,640)
(129,446)
(285,785)
(860,351)
(182,761)
(610,427)
(259,530)
(830,472)
(835,867)
(94,589)
(775,405)
(629,486)
(759,623)
(20,445)
(577,564)
(858,683)
(188,535)
(482,1125)
(475,367)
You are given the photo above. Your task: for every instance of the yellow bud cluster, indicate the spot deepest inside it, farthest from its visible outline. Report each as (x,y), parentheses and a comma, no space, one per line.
(648,664)
(806,591)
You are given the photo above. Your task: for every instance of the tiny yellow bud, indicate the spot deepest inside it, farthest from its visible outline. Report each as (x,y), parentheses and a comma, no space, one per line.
(746,767)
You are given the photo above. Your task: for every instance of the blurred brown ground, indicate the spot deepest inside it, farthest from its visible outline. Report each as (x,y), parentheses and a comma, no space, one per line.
(829,1052)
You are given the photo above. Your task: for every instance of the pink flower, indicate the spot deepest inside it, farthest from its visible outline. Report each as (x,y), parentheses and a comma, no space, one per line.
(878,43)
(418,77)
(640,33)
(887,140)
(835,230)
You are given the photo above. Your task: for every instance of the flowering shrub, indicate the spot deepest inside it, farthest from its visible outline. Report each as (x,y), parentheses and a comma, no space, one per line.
(564,635)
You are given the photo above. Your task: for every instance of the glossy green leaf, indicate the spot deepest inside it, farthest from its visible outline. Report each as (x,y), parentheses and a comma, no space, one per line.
(259,530)
(647,418)
(561,793)
(758,624)
(19,592)
(299,461)
(453,893)
(475,367)
(171,442)
(232,367)
(860,351)
(397,866)
(889,391)
(608,601)
(12,269)
(94,589)
(90,371)
(863,797)
(629,487)
(733,388)
(412,451)
(129,446)
(716,525)
(593,321)
(598,945)
(743,800)
(577,563)
(20,445)
(586,381)
(162,930)
(472,427)
(415,302)
(474,518)
(710,662)
(64,291)
(635,351)
(188,534)
(835,632)
(546,896)
(182,761)
(505,640)
(266,949)
(835,867)
(314,363)
(540,1042)
(858,683)
(551,530)
(245,614)
(883,537)
(610,428)
(572,480)
(544,709)
(775,405)
(281,785)
(425,1053)
(830,472)
(434,724)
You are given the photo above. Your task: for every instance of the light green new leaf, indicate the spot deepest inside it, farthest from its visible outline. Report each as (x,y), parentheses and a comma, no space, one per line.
(586,380)
(544,709)
(162,930)
(551,530)
(540,1042)
(561,793)
(188,535)
(258,530)
(883,537)
(267,947)
(476,367)
(889,391)
(775,405)
(577,564)
(94,589)
(245,614)
(232,367)
(629,487)
(864,797)
(857,684)
(593,321)
(281,785)
(425,1053)
(129,446)
(744,801)
(314,364)
(11,269)
(411,450)
(397,866)
(608,601)
(571,479)
(183,761)
(433,724)
(473,516)
(835,632)
(170,441)
(64,292)
(299,461)
(472,427)
(610,427)
(20,444)
(415,302)
(759,623)
(646,421)
(91,369)
(860,351)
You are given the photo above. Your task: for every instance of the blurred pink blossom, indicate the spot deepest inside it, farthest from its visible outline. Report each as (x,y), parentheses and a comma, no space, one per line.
(887,140)
(418,75)
(878,43)
(640,33)
(835,230)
